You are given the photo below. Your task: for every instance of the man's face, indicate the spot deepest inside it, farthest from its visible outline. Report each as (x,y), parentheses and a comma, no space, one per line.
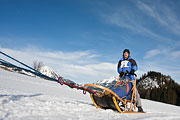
(126,55)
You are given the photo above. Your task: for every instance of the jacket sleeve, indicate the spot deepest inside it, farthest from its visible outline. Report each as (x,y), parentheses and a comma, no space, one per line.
(119,69)
(133,65)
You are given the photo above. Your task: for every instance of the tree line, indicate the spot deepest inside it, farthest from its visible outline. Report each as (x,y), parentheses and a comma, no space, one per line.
(168,91)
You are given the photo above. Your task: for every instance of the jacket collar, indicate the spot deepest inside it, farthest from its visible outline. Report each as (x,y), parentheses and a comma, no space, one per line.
(126,59)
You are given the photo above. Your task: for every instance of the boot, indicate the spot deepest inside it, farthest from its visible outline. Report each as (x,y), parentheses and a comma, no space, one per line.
(140,109)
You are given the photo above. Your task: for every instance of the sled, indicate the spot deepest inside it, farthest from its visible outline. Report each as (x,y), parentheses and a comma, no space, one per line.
(106,98)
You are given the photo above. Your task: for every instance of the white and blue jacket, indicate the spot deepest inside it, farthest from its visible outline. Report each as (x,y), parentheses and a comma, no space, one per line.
(126,66)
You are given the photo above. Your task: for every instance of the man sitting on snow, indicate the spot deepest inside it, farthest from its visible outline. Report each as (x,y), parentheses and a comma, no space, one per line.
(126,68)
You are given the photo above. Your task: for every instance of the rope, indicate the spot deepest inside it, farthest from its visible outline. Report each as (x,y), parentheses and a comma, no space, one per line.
(59,80)
(19,61)
(77,87)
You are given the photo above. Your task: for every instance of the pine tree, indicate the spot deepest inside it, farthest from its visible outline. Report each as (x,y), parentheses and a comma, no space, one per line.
(168,91)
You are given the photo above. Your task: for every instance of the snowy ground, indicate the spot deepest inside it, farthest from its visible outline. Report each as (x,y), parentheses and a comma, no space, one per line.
(27,98)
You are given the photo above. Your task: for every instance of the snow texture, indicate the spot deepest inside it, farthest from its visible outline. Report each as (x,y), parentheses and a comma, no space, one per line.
(28,98)
(49,72)
(149,83)
(107,82)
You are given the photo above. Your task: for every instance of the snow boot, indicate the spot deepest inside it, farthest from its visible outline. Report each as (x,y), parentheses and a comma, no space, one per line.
(140,109)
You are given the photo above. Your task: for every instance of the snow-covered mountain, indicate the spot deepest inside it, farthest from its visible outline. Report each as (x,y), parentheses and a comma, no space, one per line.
(107,82)
(28,98)
(153,80)
(148,82)
(45,70)
(49,72)
(159,87)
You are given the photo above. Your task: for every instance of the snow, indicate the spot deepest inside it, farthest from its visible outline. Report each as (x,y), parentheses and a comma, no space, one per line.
(28,98)
(148,82)
(49,72)
(110,80)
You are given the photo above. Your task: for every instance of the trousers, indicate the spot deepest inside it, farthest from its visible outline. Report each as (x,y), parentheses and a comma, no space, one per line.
(138,99)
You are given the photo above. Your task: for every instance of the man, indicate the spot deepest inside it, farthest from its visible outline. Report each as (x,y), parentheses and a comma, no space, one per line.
(126,68)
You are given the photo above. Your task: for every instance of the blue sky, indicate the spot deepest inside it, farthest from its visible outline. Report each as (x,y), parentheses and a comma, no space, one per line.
(83,39)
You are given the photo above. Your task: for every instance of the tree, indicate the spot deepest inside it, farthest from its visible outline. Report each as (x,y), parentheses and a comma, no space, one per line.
(37,65)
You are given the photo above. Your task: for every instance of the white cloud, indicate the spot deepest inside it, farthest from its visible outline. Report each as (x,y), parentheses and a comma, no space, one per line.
(164,60)
(127,18)
(175,54)
(81,66)
(146,18)
(169,69)
(90,69)
(70,55)
(165,53)
(152,53)
(163,14)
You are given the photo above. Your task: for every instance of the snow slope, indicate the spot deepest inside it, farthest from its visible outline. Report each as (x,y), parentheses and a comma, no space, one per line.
(27,98)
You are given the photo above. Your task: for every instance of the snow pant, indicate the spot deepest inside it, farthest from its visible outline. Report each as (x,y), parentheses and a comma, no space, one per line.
(138,99)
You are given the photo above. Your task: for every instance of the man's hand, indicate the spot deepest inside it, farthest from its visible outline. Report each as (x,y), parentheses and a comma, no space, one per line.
(122,73)
(132,72)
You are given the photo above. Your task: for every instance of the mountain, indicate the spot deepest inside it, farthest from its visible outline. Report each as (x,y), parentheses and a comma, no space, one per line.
(49,72)
(31,98)
(153,80)
(45,70)
(107,82)
(159,87)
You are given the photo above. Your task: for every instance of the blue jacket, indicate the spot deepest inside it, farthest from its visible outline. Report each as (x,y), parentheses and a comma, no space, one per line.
(125,65)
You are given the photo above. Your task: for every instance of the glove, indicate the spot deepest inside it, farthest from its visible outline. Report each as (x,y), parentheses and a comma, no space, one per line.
(122,73)
(132,72)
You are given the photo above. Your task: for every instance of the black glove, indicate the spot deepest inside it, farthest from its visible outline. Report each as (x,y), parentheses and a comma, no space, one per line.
(122,73)
(132,72)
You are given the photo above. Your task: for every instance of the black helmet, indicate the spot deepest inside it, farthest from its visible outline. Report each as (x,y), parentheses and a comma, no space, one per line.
(126,50)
